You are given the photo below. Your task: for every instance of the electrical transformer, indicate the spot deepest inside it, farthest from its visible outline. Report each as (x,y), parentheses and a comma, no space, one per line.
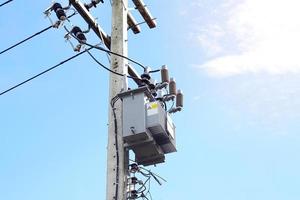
(147,127)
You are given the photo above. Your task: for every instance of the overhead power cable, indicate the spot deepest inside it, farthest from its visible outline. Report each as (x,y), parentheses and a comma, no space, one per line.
(106,68)
(117,54)
(105,50)
(30,37)
(6,2)
(41,73)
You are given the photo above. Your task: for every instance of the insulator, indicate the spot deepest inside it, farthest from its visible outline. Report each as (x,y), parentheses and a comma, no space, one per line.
(179,99)
(60,13)
(134,180)
(93,4)
(152,84)
(146,76)
(78,33)
(164,74)
(172,87)
(133,194)
(133,167)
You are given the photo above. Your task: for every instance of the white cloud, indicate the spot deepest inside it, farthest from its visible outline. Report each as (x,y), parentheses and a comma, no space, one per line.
(265,35)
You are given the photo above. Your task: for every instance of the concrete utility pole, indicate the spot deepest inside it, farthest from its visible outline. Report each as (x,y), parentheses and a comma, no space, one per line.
(117,164)
(117,156)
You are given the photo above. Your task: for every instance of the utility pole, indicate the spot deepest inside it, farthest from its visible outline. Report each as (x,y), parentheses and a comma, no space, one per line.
(117,156)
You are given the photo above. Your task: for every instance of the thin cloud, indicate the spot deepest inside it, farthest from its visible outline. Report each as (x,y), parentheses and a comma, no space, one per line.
(265,35)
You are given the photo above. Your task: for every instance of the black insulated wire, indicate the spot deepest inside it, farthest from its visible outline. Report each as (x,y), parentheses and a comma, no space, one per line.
(120,55)
(105,50)
(30,37)
(112,103)
(106,68)
(41,73)
(154,71)
(2,4)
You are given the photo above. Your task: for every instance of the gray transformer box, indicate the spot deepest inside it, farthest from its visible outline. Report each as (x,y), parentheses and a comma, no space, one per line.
(147,128)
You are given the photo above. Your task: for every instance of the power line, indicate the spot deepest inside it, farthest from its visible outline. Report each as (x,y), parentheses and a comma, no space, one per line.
(111,52)
(30,37)
(5,3)
(106,68)
(105,50)
(41,73)
(117,54)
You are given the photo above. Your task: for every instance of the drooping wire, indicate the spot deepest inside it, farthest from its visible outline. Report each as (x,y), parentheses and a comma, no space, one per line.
(149,171)
(105,50)
(5,3)
(143,191)
(106,68)
(30,37)
(120,55)
(155,176)
(41,73)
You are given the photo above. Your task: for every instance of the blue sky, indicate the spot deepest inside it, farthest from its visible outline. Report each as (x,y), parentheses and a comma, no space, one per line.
(237,138)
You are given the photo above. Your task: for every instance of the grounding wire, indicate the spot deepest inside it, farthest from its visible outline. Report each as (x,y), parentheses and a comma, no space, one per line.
(32,36)
(41,73)
(2,4)
(112,103)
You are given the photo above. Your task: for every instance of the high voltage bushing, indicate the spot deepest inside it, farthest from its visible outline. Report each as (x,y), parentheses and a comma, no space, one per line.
(172,87)
(179,102)
(164,74)
(179,99)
